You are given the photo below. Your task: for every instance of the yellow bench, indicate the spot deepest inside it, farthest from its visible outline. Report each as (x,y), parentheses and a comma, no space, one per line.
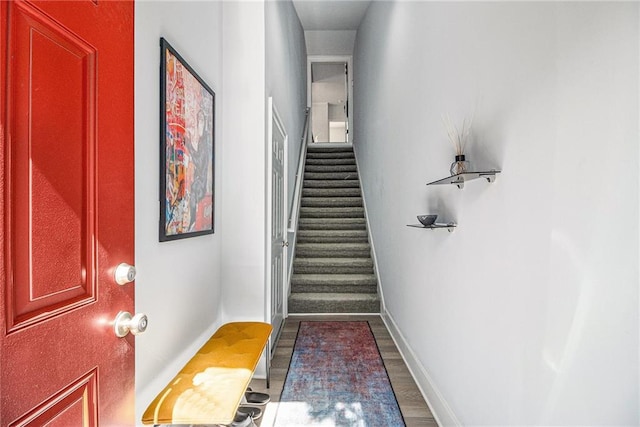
(210,387)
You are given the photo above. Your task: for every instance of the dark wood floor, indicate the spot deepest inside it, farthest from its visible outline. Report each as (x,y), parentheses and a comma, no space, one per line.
(414,409)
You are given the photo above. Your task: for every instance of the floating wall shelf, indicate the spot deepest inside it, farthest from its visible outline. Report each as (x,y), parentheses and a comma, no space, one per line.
(460,178)
(449,227)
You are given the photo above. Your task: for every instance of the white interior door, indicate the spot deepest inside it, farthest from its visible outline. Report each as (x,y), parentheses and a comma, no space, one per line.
(278,220)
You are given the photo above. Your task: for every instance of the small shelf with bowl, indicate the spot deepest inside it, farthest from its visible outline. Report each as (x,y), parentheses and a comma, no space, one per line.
(461,178)
(429,222)
(436,226)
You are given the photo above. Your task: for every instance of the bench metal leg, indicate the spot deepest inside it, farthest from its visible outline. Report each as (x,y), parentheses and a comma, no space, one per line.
(268,364)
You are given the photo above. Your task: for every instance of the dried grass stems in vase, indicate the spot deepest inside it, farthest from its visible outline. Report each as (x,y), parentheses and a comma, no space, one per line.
(459,139)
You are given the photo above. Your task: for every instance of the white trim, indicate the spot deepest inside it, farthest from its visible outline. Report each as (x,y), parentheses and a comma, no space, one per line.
(268,200)
(332,58)
(292,224)
(370,237)
(287,290)
(272,115)
(439,407)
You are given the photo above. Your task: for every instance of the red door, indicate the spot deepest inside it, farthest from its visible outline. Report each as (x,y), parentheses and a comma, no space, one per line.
(66,204)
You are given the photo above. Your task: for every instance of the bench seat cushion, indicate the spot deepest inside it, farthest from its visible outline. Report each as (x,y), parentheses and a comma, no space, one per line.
(211,385)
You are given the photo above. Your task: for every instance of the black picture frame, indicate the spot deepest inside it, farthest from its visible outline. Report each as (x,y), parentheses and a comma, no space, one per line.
(187,147)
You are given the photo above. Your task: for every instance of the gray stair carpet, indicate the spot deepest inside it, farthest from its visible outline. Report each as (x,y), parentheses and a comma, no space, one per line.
(333,269)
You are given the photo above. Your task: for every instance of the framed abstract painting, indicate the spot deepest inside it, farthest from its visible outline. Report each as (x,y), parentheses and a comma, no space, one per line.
(187,117)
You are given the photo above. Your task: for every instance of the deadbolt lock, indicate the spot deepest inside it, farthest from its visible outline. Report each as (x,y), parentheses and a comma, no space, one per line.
(124,274)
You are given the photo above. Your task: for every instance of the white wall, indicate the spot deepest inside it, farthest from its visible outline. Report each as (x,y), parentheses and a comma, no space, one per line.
(243,162)
(286,82)
(178,284)
(528,313)
(329,92)
(335,42)
(222,277)
(320,122)
(286,75)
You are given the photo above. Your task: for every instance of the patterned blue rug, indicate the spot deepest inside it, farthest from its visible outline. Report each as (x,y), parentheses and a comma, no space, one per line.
(337,378)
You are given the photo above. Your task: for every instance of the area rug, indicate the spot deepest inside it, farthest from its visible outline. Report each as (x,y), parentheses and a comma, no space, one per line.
(337,378)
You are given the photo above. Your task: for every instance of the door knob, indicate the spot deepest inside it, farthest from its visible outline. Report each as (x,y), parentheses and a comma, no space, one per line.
(285,244)
(124,274)
(125,323)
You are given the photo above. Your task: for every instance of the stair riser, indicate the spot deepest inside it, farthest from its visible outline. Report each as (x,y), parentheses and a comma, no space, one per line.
(331,161)
(332,253)
(333,289)
(314,155)
(337,149)
(297,306)
(335,202)
(336,262)
(330,168)
(331,183)
(332,269)
(330,239)
(330,226)
(331,192)
(317,212)
(330,175)
(336,233)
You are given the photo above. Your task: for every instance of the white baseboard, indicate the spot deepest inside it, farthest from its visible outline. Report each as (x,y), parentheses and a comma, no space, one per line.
(376,270)
(440,409)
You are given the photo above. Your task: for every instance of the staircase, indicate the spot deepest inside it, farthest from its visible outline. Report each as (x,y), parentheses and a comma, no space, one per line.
(333,268)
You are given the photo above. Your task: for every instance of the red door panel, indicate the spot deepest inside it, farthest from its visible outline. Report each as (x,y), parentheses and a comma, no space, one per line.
(66,203)
(52,107)
(73,406)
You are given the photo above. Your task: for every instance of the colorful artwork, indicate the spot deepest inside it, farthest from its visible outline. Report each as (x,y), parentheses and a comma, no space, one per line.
(187,124)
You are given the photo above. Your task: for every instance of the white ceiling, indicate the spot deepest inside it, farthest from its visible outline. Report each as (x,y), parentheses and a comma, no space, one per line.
(325,15)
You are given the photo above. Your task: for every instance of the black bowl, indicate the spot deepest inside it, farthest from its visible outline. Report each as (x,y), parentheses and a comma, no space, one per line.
(427,219)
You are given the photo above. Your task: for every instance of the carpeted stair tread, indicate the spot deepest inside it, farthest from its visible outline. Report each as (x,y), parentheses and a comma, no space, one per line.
(332,224)
(334,288)
(332,201)
(325,149)
(327,279)
(345,161)
(331,183)
(332,236)
(331,192)
(331,175)
(331,168)
(333,250)
(333,303)
(325,154)
(324,212)
(333,265)
(321,155)
(334,283)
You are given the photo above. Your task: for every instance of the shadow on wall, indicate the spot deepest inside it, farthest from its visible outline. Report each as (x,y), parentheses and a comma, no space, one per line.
(441,207)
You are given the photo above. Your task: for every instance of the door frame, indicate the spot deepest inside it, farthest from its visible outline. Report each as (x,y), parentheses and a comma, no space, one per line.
(333,58)
(272,114)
